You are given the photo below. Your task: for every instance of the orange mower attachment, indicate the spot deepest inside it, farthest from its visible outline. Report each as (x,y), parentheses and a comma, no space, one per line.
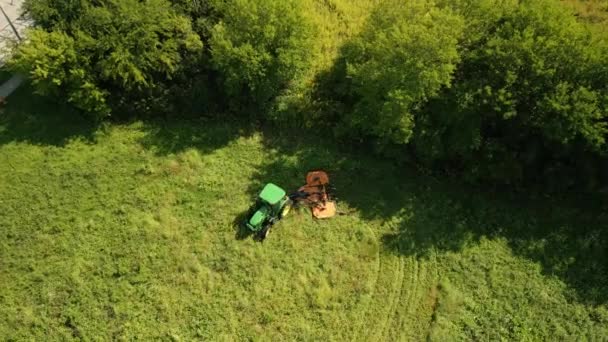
(317,195)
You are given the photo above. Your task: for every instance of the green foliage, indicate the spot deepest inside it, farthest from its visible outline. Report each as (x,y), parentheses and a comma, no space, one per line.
(480,18)
(537,72)
(529,89)
(202,13)
(55,14)
(57,69)
(405,55)
(259,46)
(141,41)
(110,55)
(507,91)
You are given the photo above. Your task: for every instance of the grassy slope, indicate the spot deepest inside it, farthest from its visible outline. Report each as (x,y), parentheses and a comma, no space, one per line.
(129,231)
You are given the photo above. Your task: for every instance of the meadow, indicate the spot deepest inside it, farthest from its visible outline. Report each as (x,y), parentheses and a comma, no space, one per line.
(131,231)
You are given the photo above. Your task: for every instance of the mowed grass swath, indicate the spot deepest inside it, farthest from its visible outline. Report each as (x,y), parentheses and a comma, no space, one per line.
(130,231)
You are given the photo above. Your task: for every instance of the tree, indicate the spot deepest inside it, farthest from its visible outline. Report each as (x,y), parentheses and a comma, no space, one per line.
(258,46)
(405,55)
(55,14)
(56,68)
(527,93)
(126,48)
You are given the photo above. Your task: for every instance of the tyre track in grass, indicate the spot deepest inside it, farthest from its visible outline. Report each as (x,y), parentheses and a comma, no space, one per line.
(364,305)
(395,308)
(407,297)
(375,310)
(428,299)
(414,316)
(379,309)
(389,302)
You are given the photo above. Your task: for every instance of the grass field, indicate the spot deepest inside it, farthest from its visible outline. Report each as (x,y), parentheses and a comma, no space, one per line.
(130,231)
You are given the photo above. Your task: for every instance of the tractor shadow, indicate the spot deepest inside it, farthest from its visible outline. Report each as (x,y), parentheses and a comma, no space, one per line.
(241,232)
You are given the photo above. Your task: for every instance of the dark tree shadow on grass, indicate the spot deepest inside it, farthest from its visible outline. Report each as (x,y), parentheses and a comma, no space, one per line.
(567,236)
(361,179)
(569,240)
(41,121)
(204,134)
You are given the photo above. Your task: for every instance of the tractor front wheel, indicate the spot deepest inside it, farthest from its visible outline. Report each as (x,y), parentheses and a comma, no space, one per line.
(286,209)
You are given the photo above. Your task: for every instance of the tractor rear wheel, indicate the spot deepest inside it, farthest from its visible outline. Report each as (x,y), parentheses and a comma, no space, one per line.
(264,232)
(286,209)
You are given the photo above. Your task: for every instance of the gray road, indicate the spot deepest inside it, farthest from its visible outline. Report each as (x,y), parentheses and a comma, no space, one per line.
(10,86)
(12,8)
(12,26)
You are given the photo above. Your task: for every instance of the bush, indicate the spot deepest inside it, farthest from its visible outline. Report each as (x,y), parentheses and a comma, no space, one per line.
(55,14)
(404,57)
(258,47)
(57,69)
(505,91)
(111,57)
(530,91)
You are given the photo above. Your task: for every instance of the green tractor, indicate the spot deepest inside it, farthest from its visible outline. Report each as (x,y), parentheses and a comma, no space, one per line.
(271,205)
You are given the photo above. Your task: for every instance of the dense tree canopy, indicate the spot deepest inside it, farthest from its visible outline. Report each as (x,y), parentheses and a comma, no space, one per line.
(55,14)
(259,46)
(115,52)
(405,55)
(528,89)
(500,90)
